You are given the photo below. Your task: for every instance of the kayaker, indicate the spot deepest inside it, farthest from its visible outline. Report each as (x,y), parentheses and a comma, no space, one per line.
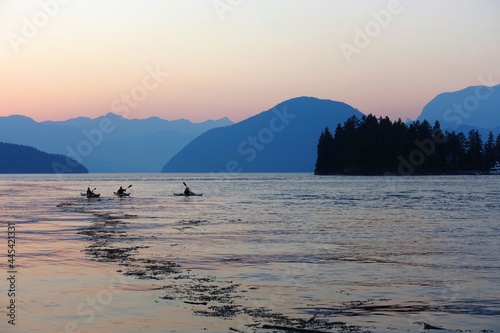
(89,191)
(187,191)
(120,191)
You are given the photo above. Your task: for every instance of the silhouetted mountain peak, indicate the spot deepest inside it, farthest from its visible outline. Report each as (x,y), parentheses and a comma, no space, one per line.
(281,139)
(476,106)
(16,120)
(113,117)
(305,99)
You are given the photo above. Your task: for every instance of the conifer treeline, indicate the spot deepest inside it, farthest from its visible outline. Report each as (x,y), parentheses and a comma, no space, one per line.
(374,146)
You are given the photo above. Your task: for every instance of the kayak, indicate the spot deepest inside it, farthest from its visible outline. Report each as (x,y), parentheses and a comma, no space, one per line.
(188,195)
(93,195)
(122,194)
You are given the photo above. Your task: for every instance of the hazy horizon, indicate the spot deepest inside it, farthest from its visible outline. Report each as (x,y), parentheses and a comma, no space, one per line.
(210,59)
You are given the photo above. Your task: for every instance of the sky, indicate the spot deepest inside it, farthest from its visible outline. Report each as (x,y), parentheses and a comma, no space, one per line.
(208,59)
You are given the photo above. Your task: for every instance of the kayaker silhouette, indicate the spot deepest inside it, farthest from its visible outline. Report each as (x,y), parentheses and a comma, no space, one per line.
(89,192)
(120,190)
(187,191)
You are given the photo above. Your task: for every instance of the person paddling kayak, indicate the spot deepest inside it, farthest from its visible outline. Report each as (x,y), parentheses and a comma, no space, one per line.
(187,191)
(90,193)
(121,192)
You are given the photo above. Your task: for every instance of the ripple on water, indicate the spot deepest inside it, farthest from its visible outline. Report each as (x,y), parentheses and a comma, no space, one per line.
(339,254)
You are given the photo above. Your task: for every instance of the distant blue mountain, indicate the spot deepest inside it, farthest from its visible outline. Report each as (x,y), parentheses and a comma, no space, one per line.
(282,139)
(475,107)
(23,159)
(109,143)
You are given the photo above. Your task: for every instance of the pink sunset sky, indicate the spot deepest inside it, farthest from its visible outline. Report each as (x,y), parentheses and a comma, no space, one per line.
(208,59)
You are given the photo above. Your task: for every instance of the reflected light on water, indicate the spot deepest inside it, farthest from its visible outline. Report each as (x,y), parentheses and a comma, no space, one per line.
(380,253)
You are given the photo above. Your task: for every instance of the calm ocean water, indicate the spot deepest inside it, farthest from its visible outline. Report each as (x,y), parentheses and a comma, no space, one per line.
(334,254)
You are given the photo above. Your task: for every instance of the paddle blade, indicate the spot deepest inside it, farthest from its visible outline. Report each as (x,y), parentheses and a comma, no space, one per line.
(184,184)
(129,186)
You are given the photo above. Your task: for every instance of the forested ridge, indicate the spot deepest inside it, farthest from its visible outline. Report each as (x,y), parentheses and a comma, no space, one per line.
(24,159)
(378,146)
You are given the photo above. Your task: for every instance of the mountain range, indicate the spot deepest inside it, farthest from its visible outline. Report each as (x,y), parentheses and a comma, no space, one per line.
(282,139)
(109,143)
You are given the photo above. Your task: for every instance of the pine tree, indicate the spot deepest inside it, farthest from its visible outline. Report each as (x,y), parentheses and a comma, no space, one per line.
(474,151)
(338,147)
(462,157)
(438,158)
(454,151)
(324,161)
(497,147)
(489,152)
